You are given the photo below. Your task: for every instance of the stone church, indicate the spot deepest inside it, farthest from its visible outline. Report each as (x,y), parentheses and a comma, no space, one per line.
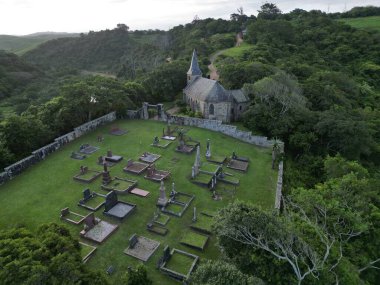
(210,98)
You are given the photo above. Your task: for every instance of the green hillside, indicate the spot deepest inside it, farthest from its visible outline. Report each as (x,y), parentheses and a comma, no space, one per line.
(21,44)
(367,23)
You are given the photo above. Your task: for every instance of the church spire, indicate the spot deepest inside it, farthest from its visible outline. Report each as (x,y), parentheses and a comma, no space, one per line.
(194,69)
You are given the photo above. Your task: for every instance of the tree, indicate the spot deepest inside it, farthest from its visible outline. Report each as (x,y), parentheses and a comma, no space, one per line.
(222,273)
(49,256)
(138,276)
(268,11)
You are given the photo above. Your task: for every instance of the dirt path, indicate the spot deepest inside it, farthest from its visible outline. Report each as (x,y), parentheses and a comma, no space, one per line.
(213,71)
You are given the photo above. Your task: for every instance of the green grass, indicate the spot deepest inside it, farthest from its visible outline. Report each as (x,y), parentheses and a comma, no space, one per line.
(95,201)
(203,223)
(194,239)
(180,263)
(85,249)
(367,23)
(88,175)
(38,194)
(209,167)
(238,52)
(203,178)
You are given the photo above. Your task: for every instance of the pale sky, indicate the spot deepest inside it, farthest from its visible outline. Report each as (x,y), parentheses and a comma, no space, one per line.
(20,17)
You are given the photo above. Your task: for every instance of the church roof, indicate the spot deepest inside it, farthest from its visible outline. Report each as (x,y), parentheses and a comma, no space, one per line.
(194,67)
(207,90)
(239,96)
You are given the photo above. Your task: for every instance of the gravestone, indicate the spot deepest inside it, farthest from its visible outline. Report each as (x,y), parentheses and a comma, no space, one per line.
(100,160)
(208,149)
(133,241)
(90,222)
(106,175)
(167,254)
(197,162)
(111,201)
(162,200)
(65,212)
(173,192)
(86,194)
(195,215)
(193,172)
(109,153)
(156,140)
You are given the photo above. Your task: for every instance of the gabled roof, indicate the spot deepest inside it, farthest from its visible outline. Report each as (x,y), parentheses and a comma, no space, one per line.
(239,96)
(194,67)
(207,90)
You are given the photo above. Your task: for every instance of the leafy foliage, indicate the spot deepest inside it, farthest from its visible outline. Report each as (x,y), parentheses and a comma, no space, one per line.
(50,256)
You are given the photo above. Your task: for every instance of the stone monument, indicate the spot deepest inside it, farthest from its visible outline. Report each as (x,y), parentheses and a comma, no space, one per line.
(106,175)
(208,149)
(162,200)
(197,162)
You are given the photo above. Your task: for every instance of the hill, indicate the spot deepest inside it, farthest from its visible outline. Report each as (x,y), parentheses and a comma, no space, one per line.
(367,23)
(21,44)
(104,51)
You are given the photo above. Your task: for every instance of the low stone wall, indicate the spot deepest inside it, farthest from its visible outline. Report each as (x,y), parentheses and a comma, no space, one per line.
(277,203)
(40,154)
(218,126)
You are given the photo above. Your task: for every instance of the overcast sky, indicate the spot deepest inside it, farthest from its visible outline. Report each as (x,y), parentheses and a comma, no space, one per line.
(20,17)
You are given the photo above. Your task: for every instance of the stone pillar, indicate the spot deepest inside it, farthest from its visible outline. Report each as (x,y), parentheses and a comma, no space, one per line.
(145,114)
(208,149)
(197,162)
(162,200)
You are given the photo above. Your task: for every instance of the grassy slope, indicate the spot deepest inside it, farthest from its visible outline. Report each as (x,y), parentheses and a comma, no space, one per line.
(21,44)
(38,194)
(368,23)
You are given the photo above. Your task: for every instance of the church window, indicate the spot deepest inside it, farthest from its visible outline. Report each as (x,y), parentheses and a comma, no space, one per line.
(211,109)
(240,108)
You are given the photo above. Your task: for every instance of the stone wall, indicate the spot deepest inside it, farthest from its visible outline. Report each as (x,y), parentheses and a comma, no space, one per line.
(277,203)
(218,126)
(40,154)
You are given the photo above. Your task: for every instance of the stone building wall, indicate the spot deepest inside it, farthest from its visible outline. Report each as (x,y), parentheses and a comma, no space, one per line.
(40,154)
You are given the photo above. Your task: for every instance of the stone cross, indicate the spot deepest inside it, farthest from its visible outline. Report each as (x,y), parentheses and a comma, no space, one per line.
(208,149)
(193,172)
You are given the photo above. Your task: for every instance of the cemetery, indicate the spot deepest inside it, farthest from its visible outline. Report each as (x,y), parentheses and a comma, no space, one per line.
(149,157)
(87,148)
(181,216)
(157,143)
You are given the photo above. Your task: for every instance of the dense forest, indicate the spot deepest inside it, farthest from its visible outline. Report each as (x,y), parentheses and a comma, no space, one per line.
(314,83)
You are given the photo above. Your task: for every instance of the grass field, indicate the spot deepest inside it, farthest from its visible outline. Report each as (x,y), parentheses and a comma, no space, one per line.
(38,195)
(367,23)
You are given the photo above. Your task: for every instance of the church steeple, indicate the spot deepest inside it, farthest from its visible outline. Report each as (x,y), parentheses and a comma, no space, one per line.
(194,69)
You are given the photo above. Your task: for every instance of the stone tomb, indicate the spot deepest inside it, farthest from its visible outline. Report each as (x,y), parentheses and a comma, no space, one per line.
(91,201)
(186,144)
(155,174)
(113,158)
(72,217)
(149,157)
(102,160)
(168,133)
(116,131)
(157,143)
(135,167)
(141,247)
(227,178)
(86,175)
(97,230)
(139,192)
(89,252)
(87,149)
(117,209)
(120,185)
(177,204)
(168,263)
(157,229)
(238,165)
(78,156)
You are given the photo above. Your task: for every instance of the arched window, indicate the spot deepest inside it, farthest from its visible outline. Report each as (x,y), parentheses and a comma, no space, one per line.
(240,108)
(211,109)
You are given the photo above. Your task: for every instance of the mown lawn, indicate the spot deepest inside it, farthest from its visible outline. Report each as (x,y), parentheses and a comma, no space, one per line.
(38,195)
(368,23)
